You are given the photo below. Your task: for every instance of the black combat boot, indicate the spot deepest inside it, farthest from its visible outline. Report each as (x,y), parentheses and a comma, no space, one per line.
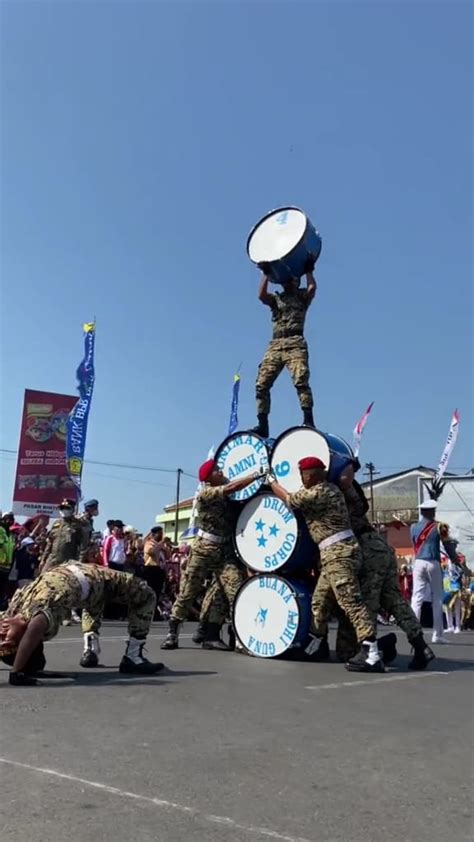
(308,420)
(366,660)
(321,653)
(422,653)
(134,662)
(232,638)
(262,427)
(20,679)
(199,635)
(171,640)
(388,647)
(213,638)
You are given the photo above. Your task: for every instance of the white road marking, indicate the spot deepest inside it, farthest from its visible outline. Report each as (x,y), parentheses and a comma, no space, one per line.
(115,637)
(369,681)
(158,802)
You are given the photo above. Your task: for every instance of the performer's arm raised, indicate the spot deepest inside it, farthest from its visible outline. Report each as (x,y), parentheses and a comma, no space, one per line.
(264,296)
(311,286)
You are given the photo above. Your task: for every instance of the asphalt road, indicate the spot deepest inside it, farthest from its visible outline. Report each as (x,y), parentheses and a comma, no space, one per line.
(230,748)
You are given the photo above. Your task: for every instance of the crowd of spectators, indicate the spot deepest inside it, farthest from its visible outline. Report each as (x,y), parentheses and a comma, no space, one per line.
(152,557)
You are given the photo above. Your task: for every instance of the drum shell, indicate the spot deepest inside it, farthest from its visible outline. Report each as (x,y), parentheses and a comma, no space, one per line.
(301,591)
(292,265)
(293,551)
(334,450)
(236,458)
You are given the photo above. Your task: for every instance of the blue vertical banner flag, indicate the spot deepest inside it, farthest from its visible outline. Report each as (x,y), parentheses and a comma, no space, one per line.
(77,421)
(234,408)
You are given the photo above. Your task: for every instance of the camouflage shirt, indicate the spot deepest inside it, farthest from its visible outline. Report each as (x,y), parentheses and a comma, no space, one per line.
(67,539)
(57,591)
(214,510)
(289,313)
(324,510)
(357,506)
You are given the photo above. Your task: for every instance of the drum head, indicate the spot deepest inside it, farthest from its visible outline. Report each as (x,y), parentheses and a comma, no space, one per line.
(240,455)
(276,235)
(266,533)
(292,446)
(266,616)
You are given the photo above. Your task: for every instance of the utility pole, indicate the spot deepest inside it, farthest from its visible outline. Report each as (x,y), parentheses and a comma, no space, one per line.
(176,516)
(371,473)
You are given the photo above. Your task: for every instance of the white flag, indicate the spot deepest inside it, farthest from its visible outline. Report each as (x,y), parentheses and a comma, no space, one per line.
(449,446)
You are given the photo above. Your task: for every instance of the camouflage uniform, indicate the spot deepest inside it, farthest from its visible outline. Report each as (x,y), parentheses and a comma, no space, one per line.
(88,527)
(378,579)
(207,557)
(67,539)
(287,348)
(219,598)
(56,592)
(326,514)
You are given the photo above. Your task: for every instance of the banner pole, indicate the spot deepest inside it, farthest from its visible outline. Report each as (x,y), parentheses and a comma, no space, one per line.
(176,516)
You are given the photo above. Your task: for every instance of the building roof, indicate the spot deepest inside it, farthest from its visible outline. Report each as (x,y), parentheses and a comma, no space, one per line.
(183,504)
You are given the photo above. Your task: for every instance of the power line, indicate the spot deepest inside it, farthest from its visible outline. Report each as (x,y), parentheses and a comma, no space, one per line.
(121,465)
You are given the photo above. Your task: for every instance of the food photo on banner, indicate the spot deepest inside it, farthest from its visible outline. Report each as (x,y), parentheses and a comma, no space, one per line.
(42,479)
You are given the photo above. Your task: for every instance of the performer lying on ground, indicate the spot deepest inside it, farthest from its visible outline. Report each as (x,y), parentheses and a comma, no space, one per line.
(327,518)
(36,612)
(288,346)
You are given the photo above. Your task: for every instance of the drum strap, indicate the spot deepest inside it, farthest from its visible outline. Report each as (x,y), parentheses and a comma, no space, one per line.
(334,539)
(208,536)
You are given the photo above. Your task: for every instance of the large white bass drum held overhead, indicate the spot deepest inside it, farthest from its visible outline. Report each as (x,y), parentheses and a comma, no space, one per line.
(297,443)
(241,455)
(284,239)
(272,615)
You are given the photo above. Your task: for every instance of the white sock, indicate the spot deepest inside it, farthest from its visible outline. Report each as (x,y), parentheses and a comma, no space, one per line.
(373,655)
(133,650)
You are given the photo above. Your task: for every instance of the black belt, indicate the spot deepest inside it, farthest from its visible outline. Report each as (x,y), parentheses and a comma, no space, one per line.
(289,336)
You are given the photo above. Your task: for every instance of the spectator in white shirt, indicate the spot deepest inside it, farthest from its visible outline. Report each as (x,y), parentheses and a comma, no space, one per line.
(113,551)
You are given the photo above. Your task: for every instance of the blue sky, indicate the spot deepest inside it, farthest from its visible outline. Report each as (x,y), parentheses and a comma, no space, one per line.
(140,143)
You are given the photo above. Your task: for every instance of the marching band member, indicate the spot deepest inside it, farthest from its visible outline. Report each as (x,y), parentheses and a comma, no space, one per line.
(378,582)
(323,507)
(35,614)
(210,552)
(288,347)
(426,536)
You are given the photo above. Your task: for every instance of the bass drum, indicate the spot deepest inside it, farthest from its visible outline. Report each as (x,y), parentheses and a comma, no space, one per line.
(241,455)
(272,615)
(285,238)
(270,537)
(298,442)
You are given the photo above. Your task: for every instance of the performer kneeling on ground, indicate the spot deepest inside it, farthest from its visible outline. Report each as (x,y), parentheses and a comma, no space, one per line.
(288,346)
(211,549)
(36,612)
(323,507)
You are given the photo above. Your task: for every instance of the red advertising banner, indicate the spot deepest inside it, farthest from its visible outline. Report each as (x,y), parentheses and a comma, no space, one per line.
(42,480)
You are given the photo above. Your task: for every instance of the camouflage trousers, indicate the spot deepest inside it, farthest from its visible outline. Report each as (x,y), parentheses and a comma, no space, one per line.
(58,591)
(380,591)
(207,560)
(291,353)
(220,595)
(338,583)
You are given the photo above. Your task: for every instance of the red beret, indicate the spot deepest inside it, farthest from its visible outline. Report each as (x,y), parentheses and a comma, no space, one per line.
(310,462)
(206,470)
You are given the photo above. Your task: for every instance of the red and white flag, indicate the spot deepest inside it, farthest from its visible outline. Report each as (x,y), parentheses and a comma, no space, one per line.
(449,446)
(359,429)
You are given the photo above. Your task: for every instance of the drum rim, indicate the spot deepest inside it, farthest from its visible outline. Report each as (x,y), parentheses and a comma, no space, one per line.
(232,436)
(267,215)
(291,430)
(242,586)
(260,493)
